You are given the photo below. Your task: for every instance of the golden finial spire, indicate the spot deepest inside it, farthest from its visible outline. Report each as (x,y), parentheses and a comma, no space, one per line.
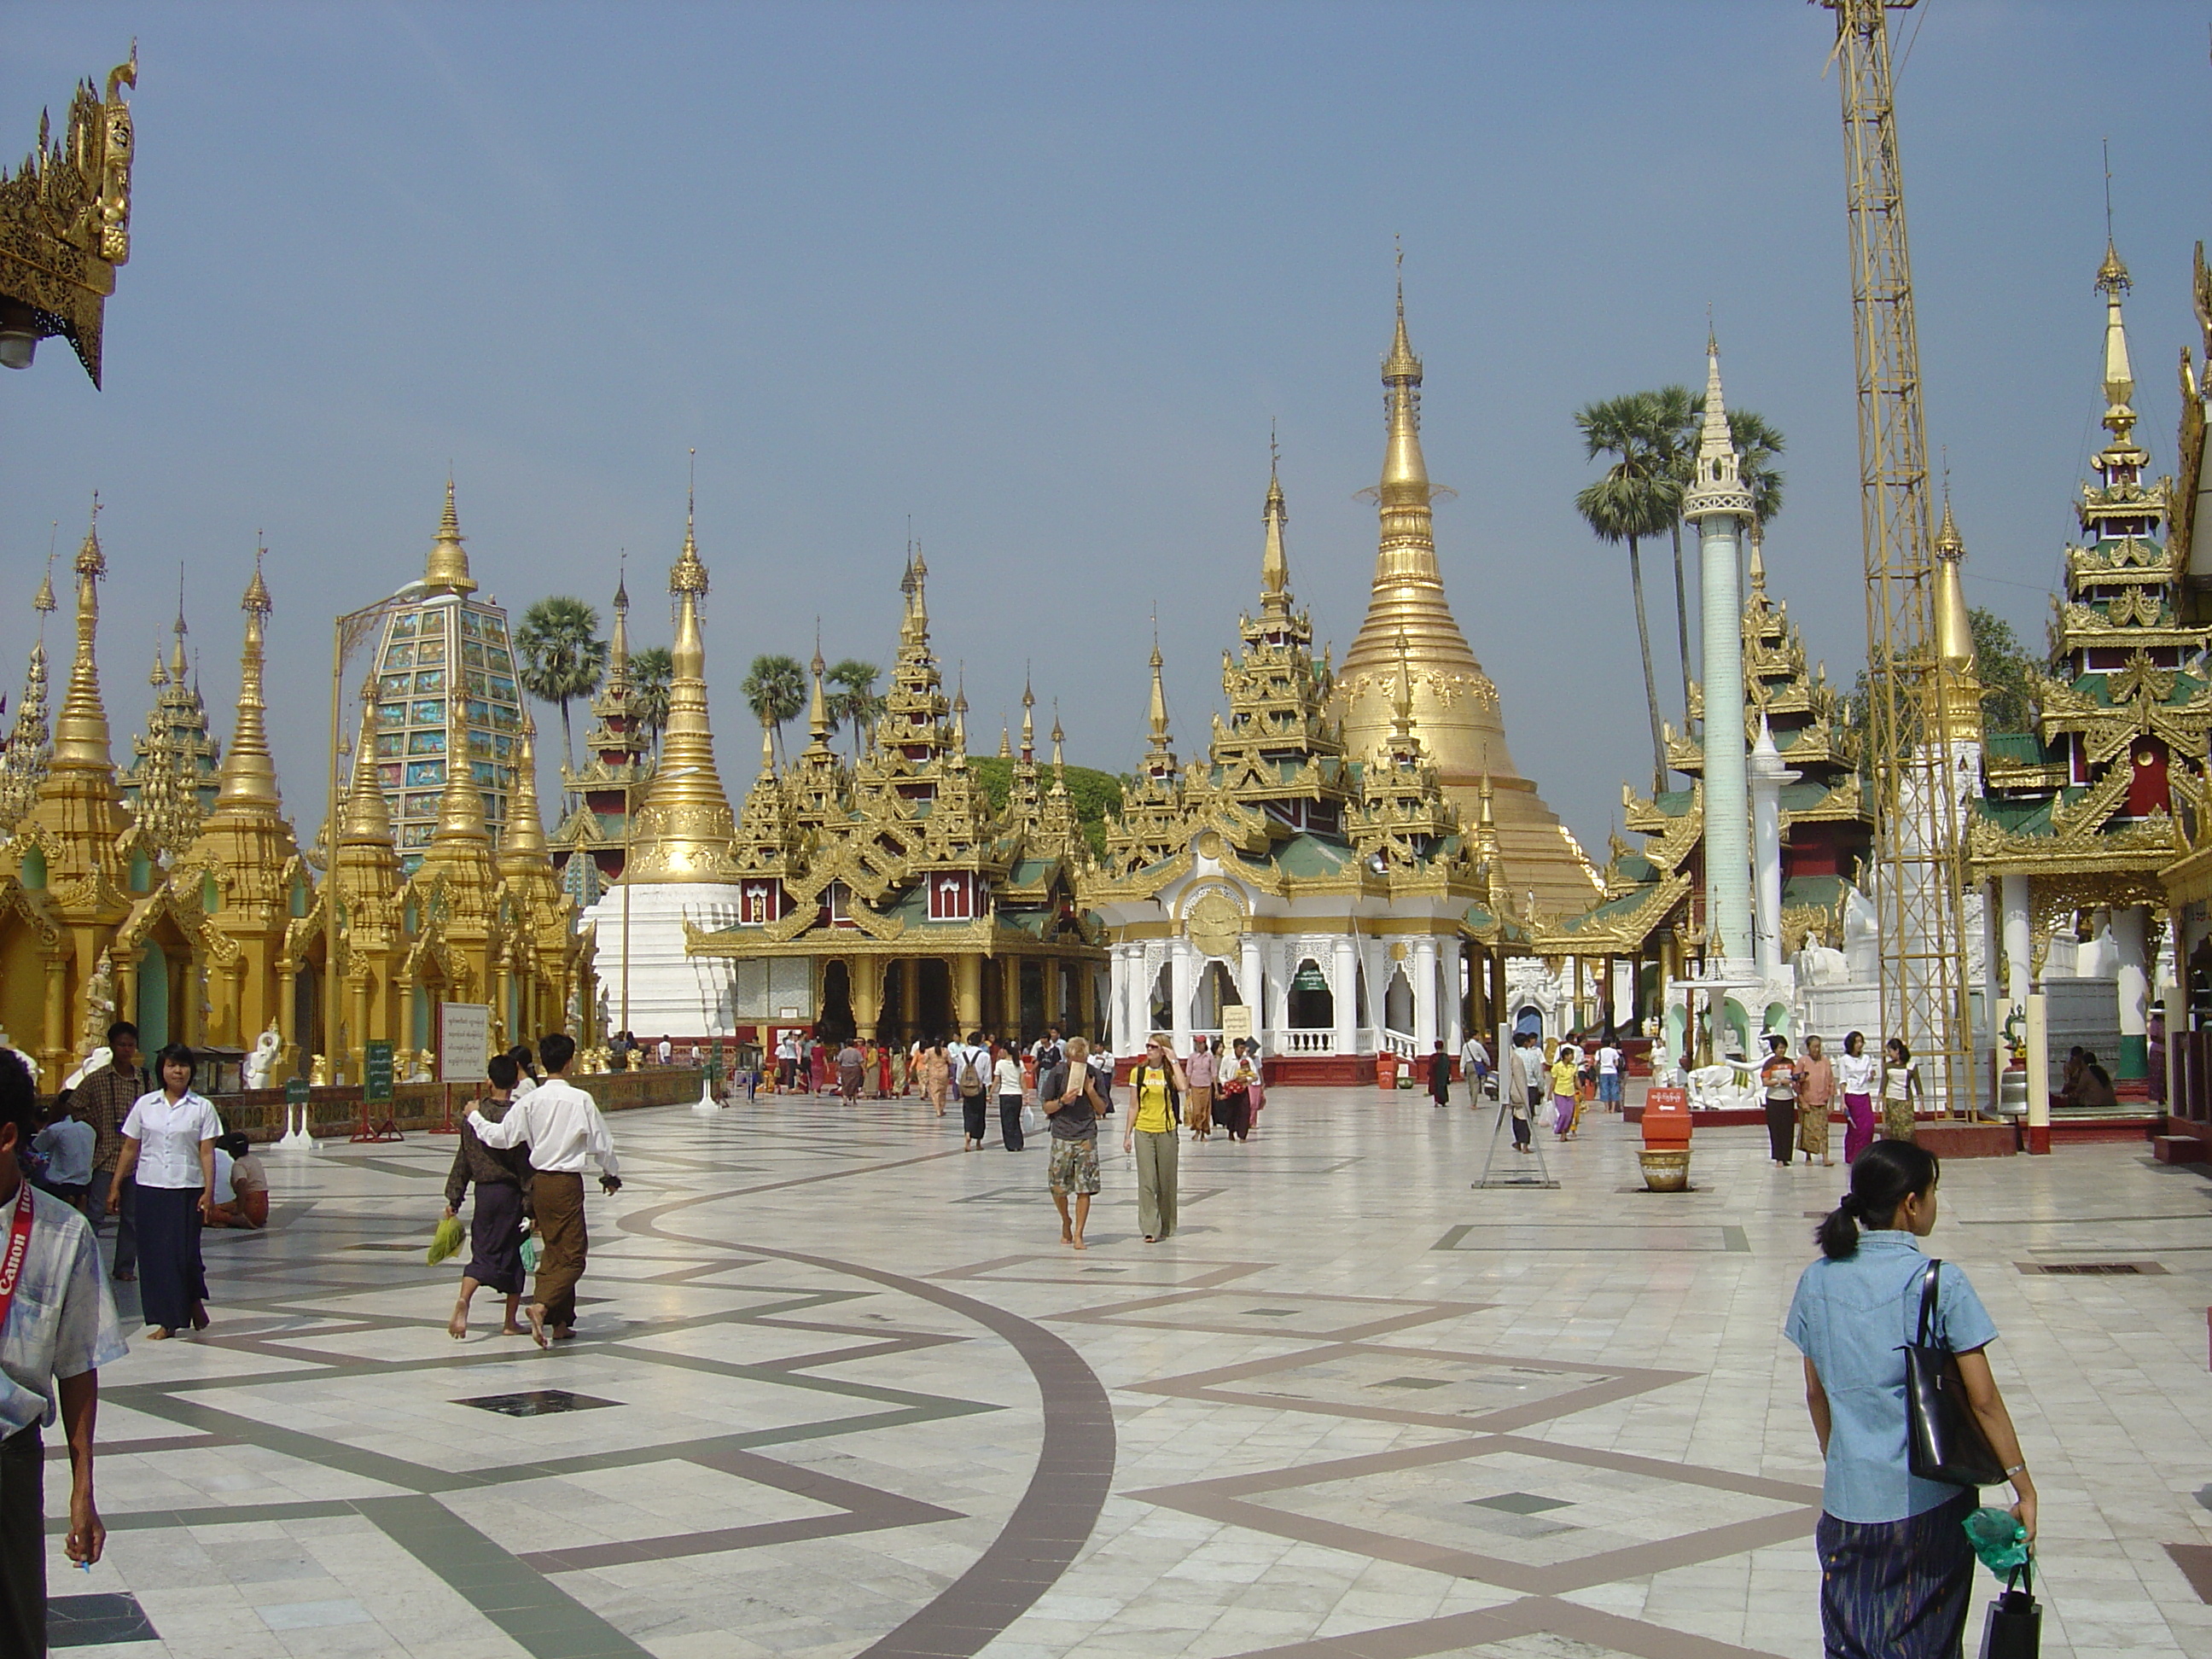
(1758,567)
(1954,637)
(368,820)
(43,600)
(1005,741)
(447,568)
(959,755)
(818,707)
(684,829)
(460,807)
(1058,737)
(522,848)
(1157,715)
(249,772)
(1401,365)
(618,638)
(1402,725)
(768,749)
(81,738)
(1275,561)
(1029,719)
(2119,374)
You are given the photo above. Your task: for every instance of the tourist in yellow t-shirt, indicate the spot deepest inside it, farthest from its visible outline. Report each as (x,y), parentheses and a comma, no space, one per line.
(1157,1087)
(1566,1072)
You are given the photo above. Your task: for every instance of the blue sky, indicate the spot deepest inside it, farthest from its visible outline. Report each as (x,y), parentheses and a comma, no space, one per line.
(1041,277)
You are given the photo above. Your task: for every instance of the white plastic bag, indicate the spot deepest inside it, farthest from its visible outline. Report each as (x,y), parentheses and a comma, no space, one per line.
(1033,1118)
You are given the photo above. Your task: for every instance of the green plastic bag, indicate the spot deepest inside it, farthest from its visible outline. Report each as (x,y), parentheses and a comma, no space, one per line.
(529,1253)
(1999,1539)
(445,1241)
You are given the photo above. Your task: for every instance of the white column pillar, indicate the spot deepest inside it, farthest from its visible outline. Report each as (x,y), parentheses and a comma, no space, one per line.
(1344,988)
(1252,985)
(2130,926)
(1423,976)
(1449,973)
(1767,775)
(2019,938)
(1183,982)
(1117,999)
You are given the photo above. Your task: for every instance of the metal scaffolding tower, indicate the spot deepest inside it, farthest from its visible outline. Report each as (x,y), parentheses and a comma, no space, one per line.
(1920,775)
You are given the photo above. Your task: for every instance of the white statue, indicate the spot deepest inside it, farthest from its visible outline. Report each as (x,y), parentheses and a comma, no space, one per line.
(91,1063)
(1819,964)
(1663,1064)
(418,1069)
(263,1060)
(1726,1087)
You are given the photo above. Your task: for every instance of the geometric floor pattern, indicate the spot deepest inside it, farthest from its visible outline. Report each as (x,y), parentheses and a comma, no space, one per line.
(838,1390)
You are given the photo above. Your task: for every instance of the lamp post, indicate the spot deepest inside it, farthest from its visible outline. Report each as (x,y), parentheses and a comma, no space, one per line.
(630,831)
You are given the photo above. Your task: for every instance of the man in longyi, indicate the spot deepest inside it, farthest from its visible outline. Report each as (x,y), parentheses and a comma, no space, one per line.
(564,1129)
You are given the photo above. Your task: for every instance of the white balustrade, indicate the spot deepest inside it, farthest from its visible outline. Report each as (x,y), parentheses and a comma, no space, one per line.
(1400,1043)
(1320,1041)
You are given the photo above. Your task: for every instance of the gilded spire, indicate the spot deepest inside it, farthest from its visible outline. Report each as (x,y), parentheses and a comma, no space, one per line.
(1718,487)
(768,749)
(1274,562)
(446,570)
(460,806)
(1161,751)
(817,705)
(249,772)
(1959,689)
(522,848)
(367,819)
(1059,766)
(1029,721)
(684,829)
(43,600)
(618,639)
(81,737)
(959,756)
(1401,726)
(1005,741)
(2119,420)
(30,745)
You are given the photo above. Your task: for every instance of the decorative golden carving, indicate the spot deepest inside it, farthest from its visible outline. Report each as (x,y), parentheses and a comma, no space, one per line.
(65,217)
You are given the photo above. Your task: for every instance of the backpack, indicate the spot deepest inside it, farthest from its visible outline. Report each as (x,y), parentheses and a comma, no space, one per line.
(974,1080)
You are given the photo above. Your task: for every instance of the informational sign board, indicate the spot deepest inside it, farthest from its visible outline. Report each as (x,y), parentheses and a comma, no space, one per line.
(376,1074)
(1235,1022)
(1667,1100)
(464,1042)
(296,1092)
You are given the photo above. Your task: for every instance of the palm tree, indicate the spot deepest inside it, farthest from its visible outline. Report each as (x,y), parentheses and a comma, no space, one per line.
(1757,441)
(1639,496)
(1676,410)
(855,701)
(775,691)
(562,658)
(650,671)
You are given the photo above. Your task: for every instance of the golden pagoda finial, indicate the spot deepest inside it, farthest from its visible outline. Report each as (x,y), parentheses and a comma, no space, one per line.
(959,755)
(248,783)
(684,829)
(43,600)
(522,848)
(1005,741)
(446,570)
(1159,752)
(1955,638)
(1275,561)
(768,749)
(81,738)
(460,807)
(818,707)
(1058,767)
(368,820)
(2119,418)
(1402,364)
(1758,567)
(1029,719)
(618,637)
(1402,725)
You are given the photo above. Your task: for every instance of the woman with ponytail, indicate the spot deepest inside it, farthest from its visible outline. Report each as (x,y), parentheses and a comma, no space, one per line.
(1896,1567)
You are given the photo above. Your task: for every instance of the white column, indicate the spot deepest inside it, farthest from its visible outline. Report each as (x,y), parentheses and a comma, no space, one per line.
(1424,996)
(1252,985)
(2019,938)
(1767,775)
(1182,980)
(1344,986)
(1728,855)
(2130,925)
(1448,973)
(1117,998)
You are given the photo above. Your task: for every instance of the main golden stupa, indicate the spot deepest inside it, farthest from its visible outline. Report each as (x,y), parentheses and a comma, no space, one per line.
(1455,709)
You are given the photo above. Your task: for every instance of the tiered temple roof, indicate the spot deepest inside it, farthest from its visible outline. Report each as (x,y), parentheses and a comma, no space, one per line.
(170,784)
(589,847)
(2085,805)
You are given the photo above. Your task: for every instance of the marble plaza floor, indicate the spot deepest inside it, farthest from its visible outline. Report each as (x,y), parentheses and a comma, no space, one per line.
(839,1390)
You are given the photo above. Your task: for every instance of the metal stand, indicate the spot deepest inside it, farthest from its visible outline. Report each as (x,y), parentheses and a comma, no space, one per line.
(1503,1125)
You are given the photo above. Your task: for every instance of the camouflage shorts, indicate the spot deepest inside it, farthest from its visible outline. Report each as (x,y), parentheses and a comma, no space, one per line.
(1074,1166)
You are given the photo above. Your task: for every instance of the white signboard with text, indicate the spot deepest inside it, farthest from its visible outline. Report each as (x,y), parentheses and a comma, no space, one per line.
(464,1042)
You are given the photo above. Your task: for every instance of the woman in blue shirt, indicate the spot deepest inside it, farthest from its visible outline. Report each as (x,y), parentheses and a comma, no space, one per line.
(1897,1570)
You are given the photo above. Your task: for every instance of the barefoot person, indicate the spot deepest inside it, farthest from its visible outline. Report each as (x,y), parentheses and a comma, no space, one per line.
(168,1148)
(56,1328)
(503,1182)
(564,1129)
(1071,1105)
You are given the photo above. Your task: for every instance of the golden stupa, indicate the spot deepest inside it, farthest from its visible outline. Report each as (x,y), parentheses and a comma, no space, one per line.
(1455,709)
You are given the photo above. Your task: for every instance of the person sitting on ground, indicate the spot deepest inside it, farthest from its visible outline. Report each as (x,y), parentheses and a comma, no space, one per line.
(241,1185)
(2094,1091)
(67,1144)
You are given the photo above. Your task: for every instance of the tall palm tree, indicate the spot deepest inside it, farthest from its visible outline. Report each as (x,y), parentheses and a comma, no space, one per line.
(1676,412)
(1757,441)
(775,691)
(855,702)
(650,671)
(1639,496)
(561,657)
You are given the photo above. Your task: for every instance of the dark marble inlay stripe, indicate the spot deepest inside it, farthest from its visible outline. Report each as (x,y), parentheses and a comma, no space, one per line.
(1067,1489)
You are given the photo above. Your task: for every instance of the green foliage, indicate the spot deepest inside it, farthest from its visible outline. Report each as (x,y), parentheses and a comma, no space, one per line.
(775,691)
(1639,496)
(2007,672)
(650,671)
(1094,794)
(854,702)
(560,657)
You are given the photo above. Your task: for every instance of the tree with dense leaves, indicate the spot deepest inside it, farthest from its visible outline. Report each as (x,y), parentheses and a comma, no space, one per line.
(561,658)
(775,691)
(1639,496)
(651,671)
(854,702)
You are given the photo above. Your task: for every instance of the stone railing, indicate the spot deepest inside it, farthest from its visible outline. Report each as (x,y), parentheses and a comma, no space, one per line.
(1398,1042)
(334,1112)
(1322,1041)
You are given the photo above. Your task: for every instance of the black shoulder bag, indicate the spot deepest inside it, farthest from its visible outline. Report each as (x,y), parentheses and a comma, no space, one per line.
(1944,1438)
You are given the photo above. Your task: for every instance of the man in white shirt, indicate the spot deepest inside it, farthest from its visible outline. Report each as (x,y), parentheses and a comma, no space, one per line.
(1612,1068)
(564,1129)
(51,1349)
(1475,1066)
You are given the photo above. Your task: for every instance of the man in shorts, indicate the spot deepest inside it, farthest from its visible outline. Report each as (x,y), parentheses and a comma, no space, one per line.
(1070,1100)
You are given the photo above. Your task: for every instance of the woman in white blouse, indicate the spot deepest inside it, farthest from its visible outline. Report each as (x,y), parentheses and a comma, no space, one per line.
(168,1143)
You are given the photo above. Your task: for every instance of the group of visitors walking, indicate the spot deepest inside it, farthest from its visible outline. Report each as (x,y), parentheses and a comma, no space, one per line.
(1800,1096)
